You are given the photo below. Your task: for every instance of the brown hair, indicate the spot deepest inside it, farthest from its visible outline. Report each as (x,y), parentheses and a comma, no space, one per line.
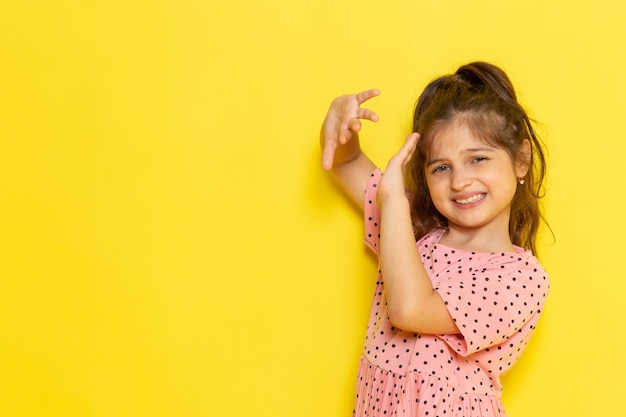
(483,98)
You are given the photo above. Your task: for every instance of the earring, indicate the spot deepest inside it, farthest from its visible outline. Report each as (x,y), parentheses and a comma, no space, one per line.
(521,181)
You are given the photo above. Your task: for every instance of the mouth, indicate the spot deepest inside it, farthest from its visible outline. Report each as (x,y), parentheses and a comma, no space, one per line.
(470,200)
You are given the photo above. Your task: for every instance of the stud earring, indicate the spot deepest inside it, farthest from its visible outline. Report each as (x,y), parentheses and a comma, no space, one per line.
(521,181)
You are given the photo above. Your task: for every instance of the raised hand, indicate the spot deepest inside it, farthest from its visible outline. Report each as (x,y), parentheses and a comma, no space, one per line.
(392,182)
(343,122)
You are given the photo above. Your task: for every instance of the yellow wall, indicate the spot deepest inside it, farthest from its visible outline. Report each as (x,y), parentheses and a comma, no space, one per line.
(169,245)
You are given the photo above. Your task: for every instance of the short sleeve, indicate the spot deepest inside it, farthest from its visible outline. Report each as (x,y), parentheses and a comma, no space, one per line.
(371,212)
(492,304)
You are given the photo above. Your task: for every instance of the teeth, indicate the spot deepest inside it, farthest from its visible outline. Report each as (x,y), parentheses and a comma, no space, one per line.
(471,199)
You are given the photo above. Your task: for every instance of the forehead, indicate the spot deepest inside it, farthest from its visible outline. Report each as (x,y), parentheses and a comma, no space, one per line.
(456,137)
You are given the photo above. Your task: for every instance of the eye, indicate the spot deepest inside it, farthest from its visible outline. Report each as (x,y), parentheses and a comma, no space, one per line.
(479,159)
(441,168)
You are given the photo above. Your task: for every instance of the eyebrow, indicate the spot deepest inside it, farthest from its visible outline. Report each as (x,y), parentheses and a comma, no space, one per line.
(470,150)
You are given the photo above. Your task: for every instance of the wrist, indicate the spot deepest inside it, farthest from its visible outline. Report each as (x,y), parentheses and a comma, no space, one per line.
(392,198)
(349,151)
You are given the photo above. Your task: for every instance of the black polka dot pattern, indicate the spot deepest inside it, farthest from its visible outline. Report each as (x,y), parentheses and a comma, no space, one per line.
(495,300)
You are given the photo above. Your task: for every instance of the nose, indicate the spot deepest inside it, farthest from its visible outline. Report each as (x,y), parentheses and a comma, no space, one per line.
(460,179)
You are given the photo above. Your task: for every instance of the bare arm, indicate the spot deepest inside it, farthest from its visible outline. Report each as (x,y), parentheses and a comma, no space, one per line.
(413,303)
(341,149)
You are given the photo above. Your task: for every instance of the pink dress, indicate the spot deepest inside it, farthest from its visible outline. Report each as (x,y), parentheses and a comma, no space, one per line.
(495,300)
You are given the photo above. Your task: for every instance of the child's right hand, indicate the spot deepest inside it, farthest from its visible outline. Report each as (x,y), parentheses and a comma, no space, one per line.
(342,123)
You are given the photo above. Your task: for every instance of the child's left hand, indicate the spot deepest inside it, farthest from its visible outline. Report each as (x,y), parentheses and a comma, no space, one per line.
(392,182)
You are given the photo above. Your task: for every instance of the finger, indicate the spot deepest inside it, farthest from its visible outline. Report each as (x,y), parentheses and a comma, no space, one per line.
(328,154)
(363,96)
(407,151)
(409,144)
(404,154)
(354,125)
(367,114)
(411,141)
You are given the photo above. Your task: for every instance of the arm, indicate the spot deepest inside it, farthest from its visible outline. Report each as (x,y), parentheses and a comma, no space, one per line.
(341,149)
(412,302)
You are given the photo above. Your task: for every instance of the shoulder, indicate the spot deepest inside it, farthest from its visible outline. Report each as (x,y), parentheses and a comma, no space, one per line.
(374,178)
(429,241)
(519,272)
(432,237)
(520,261)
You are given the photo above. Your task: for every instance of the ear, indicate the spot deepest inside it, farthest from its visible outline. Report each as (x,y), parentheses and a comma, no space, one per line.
(522,163)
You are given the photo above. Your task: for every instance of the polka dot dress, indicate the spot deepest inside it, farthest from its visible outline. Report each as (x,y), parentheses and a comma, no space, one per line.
(495,300)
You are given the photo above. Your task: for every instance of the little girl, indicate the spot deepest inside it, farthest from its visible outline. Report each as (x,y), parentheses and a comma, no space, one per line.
(453,221)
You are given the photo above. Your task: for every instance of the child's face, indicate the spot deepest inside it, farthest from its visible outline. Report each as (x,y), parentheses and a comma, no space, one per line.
(471,183)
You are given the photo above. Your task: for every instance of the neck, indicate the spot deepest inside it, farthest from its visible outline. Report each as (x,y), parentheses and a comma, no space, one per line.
(482,241)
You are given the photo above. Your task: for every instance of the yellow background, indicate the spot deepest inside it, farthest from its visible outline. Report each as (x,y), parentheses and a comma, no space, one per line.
(170,246)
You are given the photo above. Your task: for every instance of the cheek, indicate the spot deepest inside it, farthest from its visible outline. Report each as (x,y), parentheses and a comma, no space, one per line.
(436,189)
(430,184)
(504,184)
(502,174)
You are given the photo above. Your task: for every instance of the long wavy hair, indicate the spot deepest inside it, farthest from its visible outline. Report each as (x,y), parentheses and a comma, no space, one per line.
(482,96)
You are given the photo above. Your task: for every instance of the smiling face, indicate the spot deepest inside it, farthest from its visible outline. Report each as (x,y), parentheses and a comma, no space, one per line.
(472,184)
